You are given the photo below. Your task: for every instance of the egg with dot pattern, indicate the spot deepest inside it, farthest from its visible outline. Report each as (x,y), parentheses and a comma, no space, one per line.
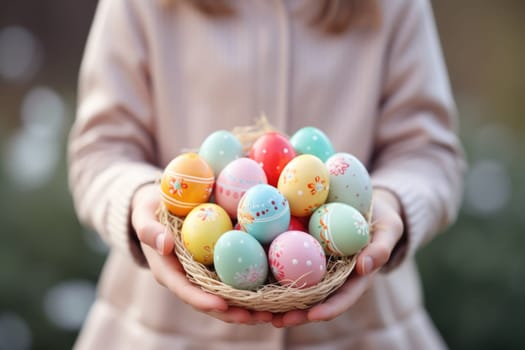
(234,180)
(311,140)
(219,149)
(272,151)
(263,212)
(350,182)
(305,183)
(296,259)
(240,260)
(340,228)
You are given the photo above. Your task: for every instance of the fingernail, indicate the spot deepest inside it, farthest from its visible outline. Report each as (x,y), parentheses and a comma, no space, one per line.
(159,242)
(367,265)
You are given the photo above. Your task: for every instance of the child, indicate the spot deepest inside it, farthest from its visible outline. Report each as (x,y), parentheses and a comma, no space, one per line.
(158,77)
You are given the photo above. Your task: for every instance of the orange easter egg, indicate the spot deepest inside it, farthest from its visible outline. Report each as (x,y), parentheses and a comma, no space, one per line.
(187,181)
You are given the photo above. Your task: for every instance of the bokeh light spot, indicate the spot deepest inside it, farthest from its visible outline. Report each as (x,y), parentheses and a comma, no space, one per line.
(67,304)
(488,188)
(15,333)
(20,54)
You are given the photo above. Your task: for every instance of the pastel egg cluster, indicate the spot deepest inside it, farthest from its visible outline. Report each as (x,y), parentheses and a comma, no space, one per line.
(293,197)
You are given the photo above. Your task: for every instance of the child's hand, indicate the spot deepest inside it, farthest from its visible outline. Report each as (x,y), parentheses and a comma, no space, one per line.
(388,229)
(157,244)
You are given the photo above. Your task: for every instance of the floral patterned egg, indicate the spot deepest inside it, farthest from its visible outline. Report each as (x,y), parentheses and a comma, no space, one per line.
(272,151)
(297,259)
(240,260)
(219,149)
(340,228)
(263,212)
(305,183)
(187,181)
(350,182)
(311,140)
(234,180)
(202,228)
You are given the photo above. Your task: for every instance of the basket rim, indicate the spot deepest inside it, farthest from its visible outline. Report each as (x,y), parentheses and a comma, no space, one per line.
(270,296)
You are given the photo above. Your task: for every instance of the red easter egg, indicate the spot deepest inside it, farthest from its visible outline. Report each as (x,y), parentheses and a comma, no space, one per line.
(298,224)
(272,151)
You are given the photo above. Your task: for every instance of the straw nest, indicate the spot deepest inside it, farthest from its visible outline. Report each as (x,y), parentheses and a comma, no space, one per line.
(272,296)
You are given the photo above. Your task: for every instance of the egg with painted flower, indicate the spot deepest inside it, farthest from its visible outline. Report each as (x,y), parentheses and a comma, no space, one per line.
(340,228)
(186,182)
(240,260)
(202,228)
(350,182)
(305,183)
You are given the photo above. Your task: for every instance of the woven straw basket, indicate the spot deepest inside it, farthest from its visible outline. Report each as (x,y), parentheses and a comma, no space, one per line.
(271,296)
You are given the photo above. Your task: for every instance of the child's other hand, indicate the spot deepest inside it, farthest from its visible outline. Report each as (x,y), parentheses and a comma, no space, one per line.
(388,229)
(157,244)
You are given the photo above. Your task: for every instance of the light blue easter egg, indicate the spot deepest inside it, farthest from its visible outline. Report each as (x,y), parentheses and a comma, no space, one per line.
(263,212)
(340,228)
(350,182)
(311,140)
(240,260)
(219,149)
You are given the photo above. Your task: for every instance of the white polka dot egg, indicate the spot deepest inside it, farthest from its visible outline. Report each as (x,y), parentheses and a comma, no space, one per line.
(297,259)
(305,182)
(219,149)
(240,260)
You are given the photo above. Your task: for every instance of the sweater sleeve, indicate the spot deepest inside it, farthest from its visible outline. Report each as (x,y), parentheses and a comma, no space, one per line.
(112,151)
(418,153)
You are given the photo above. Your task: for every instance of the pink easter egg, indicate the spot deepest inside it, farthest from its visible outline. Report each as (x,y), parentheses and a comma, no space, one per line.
(297,259)
(234,180)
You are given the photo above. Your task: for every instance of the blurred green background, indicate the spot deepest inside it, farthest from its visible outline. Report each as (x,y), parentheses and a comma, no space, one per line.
(473,274)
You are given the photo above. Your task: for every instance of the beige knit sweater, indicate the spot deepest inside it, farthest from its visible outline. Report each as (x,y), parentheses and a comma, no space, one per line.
(154,82)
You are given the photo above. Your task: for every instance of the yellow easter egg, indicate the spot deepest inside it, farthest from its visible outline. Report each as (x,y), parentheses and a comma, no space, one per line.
(202,228)
(187,181)
(305,183)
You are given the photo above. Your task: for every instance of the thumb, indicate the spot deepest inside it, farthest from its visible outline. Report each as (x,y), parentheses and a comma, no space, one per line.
(146,225)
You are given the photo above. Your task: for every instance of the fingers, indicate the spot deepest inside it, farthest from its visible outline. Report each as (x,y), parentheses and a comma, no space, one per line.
(342,300)
(290,318)
(243,316)
(144,220)
(168,271)
(153,233)
(386,230)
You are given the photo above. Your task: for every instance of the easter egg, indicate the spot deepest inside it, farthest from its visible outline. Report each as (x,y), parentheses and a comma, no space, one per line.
(202,228)
(296,259)
(298,223)
(263,212)
(240,260)
(350,182)
(305,183)
(311,140)
(234,180)
(219,149)
(186,182)
(272,151)
(340,228)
